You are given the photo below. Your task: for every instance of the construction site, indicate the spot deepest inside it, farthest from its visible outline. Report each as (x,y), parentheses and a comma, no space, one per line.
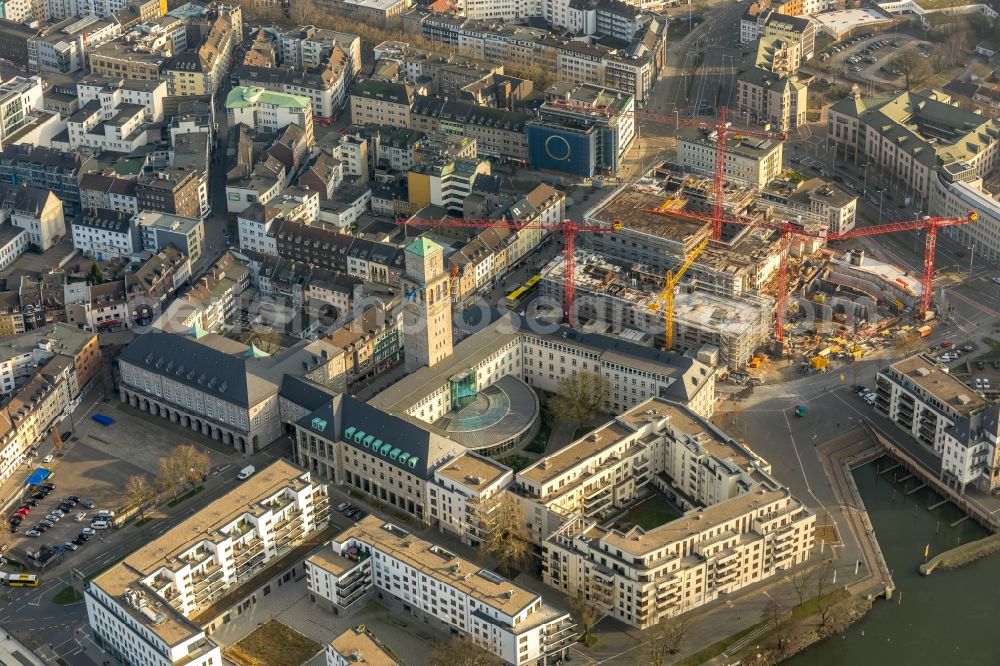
(619,297)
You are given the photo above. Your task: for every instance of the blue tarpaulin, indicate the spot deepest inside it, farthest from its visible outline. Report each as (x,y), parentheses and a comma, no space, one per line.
(39,475)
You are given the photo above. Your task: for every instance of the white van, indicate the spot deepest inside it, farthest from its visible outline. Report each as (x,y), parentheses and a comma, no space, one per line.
(100,524)
(246,472)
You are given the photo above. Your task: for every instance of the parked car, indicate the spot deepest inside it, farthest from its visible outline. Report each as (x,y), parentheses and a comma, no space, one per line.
(48,458)
(88,531)
(66,435)
(979,383)
(986,384)
(32,533)
(73,498)
(69,545)
(106,513)
(342,506)
(80,516)
(980,365)
(86,504)
(946,344)
(967,348)
(78,541)
(52,518)
(86,537)
(60,511)
(100,524)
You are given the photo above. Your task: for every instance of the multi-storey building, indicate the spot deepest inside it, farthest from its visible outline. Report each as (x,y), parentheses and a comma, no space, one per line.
(750,160)
(105,234)
(200,72)
(110,93)
(903,140)
(258,108)
(768,92)
(37,211)
(117,59)
(498,133)
(438,586)
(822,201)
(445,183)
(373,11)
(464,489)
(108,192)
(381,103)
(171,191)
(951,419)
(581,128)
(157,230)
(156,605)
(304,47)
(358,645)
(20,97)
(642,577)
(325,85)
(47,169)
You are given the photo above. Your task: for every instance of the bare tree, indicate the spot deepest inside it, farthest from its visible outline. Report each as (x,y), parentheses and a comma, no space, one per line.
(581,605)
(263,338)
(780,638)
(580,397)
(802,582)
(139,492)
(193,463)
(912,64)
(169,476)
(824,590)
(667,638)
(461,651)
(503,533)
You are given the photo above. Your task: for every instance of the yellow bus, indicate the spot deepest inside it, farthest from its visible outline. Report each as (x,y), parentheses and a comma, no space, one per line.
(515,297)
(22,580)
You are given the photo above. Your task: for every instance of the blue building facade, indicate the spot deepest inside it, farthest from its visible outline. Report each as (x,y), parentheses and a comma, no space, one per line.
(565,149)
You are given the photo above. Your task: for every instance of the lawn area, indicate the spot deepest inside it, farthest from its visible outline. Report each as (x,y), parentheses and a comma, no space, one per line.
(67,595)
(714,650)
(273,644)
(651,513)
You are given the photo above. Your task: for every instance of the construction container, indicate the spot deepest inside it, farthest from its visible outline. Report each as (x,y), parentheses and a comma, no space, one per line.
(819,362)
(924,331)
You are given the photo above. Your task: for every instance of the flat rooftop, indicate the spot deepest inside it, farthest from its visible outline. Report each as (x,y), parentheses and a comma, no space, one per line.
(928,376)
(63,339)
(473,471)
(627,206)
(576,453)
(441,564)
(202,525)
(640,542)
(360,647)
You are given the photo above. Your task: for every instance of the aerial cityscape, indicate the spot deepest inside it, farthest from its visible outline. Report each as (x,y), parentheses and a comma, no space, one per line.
(499,332)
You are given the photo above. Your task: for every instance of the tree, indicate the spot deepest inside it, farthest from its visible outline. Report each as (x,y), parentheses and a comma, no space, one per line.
(801,583)
(585,609)
(912,64)
(580,397)
(500,522)
(667,638)
(824,589)
(192,463)
(139,492)
(461,651)
(96,274)
(169,475)
(776,613)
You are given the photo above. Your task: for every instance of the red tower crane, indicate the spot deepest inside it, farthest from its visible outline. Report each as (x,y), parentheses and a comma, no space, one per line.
(568,228)
(787,230)
(722,133)
(931,224)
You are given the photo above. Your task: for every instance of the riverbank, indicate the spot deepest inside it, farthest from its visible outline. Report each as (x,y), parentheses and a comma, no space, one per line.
(806,626)
(963,554)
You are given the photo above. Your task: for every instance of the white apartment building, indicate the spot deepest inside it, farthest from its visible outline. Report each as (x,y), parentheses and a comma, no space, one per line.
(948,417)
(642,577)
(258,108)
(253,225)
(751,160)
(602,473)
(13,243)
(956,191)
(111,93)
(463,487)
(20,97)
(149,609)
(376,558)
(122,132)
(358,645)
(502,10)
(104,234)
(303,47)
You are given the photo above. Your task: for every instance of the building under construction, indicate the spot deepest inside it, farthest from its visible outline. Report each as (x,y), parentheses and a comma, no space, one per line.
(624,296)
(746,259)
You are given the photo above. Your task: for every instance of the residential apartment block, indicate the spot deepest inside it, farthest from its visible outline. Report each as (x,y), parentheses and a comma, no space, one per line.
(156,605)
(382,560)
(381,103)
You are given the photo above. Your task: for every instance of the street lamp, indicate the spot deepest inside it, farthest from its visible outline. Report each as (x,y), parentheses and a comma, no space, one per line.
(880,193)
(972,256)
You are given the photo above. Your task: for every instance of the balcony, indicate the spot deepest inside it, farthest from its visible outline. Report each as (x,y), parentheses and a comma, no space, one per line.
(249,549)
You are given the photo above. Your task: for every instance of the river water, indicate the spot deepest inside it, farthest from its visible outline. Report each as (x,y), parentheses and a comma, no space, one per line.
(945,619)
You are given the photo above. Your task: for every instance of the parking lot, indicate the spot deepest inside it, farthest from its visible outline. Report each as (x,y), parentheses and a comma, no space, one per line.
(95,465)
(840,61)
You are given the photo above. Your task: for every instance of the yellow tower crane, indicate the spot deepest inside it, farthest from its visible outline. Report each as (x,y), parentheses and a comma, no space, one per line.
(666,297)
